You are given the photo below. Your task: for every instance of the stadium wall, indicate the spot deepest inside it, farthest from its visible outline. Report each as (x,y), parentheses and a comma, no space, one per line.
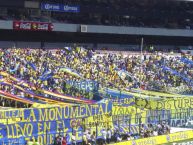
(59,27)
(110,46)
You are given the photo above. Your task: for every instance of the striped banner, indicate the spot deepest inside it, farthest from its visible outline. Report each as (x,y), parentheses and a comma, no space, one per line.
(31,86)
(13,97)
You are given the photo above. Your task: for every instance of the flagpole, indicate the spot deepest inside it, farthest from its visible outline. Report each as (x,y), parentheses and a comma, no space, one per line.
(141,66)
(141,70)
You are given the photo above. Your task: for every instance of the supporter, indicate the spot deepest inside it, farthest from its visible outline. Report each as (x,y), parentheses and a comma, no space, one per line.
(160,129)
(93,138)
(151,130)
(73,138)
(104,136)
(30,142)
(55,141)
(109,135)
(168,129)
(119,138)
(36,143)
(64,142)
(129,137)
(116,135)
(142,131)
(84,139)
(58,140)
(89,137)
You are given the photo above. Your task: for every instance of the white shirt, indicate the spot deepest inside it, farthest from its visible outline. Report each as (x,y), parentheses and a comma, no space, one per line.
(88,136)
(22,94)
(73,138)
(104,134)
(109,133)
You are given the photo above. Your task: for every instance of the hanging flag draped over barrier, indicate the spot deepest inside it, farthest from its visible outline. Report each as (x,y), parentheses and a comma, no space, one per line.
(46,122)
(168,104)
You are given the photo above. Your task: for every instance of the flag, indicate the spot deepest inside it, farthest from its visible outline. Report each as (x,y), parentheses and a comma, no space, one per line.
(124,75)
(32,65)
(68,48)
(70,71)
(46,75)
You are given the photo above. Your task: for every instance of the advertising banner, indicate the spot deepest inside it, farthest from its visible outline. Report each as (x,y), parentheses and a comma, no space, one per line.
(179,136)
(32,26)
(60,7)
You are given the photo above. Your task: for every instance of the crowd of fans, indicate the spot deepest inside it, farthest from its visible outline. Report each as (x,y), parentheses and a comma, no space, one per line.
(147,72)
(146,13)
(114,135)
(59,140)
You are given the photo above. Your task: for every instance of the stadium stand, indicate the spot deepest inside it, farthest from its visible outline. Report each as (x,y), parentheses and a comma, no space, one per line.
(48,69)
(149,13)
(96,72)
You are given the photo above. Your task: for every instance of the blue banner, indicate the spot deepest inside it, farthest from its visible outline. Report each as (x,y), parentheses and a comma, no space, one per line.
(60,7)
(186,61)
(174,72)
(44,124)
(119,98)
(86,85)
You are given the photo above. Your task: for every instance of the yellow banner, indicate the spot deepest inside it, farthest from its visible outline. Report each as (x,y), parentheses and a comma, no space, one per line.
(102,121)
(167,104)
(132,111)
(158,140)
